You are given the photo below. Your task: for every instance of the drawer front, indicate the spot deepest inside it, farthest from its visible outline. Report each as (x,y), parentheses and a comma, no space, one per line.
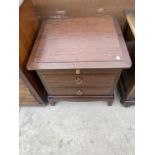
(86,80)
(81,71)
(79,91)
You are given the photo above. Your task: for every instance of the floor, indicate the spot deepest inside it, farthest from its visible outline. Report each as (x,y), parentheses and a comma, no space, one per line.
(72,128)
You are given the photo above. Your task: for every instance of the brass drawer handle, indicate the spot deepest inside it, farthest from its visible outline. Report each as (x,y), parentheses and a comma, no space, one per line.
(79,92)
(78,81)
(77,72)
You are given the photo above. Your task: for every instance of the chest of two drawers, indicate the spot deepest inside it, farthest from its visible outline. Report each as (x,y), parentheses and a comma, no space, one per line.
(79,59)
(78,82)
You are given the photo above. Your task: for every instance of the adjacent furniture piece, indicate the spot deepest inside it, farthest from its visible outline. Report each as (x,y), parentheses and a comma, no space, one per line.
(130,21)
(79,59)
(126,84)
(25,96)
(31,90)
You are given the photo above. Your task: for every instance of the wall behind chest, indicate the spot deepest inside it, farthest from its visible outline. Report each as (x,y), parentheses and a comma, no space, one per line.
(82,8)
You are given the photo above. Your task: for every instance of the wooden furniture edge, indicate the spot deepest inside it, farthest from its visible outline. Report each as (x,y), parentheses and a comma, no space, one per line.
(32,90)
(109,99)
(126,63)
(125,101)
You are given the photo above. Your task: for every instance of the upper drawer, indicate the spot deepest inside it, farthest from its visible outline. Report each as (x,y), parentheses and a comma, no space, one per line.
(79,71)
(88,80)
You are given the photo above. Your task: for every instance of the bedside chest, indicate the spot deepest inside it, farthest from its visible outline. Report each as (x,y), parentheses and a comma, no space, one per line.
(79,59)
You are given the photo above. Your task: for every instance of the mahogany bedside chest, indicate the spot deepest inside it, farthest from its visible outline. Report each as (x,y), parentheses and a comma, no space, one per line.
(79,59)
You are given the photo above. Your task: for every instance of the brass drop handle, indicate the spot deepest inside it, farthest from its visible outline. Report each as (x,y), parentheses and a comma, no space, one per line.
(79,92)
(78,81)
(77,72)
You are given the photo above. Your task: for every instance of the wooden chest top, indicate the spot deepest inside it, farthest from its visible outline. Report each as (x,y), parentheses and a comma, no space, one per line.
(93,42)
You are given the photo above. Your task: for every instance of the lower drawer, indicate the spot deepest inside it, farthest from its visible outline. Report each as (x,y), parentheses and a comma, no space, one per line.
(79,91)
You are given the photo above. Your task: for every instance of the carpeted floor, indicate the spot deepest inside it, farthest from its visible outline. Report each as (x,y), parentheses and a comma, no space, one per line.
(75,128)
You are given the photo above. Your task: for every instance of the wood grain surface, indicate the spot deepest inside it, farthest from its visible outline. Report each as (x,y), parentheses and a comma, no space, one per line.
(78,80)
(79,43)
(87,82)
(61,84)
(94,46)
(25,96)
(82,91)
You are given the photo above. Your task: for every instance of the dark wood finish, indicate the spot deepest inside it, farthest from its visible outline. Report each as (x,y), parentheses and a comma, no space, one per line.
(71,44)
(73,80)
(30,98)
(79,91)
(126,84)
(28,29)
(25,96)
(108,99)
(80,59)
(73,71)
(82,8)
